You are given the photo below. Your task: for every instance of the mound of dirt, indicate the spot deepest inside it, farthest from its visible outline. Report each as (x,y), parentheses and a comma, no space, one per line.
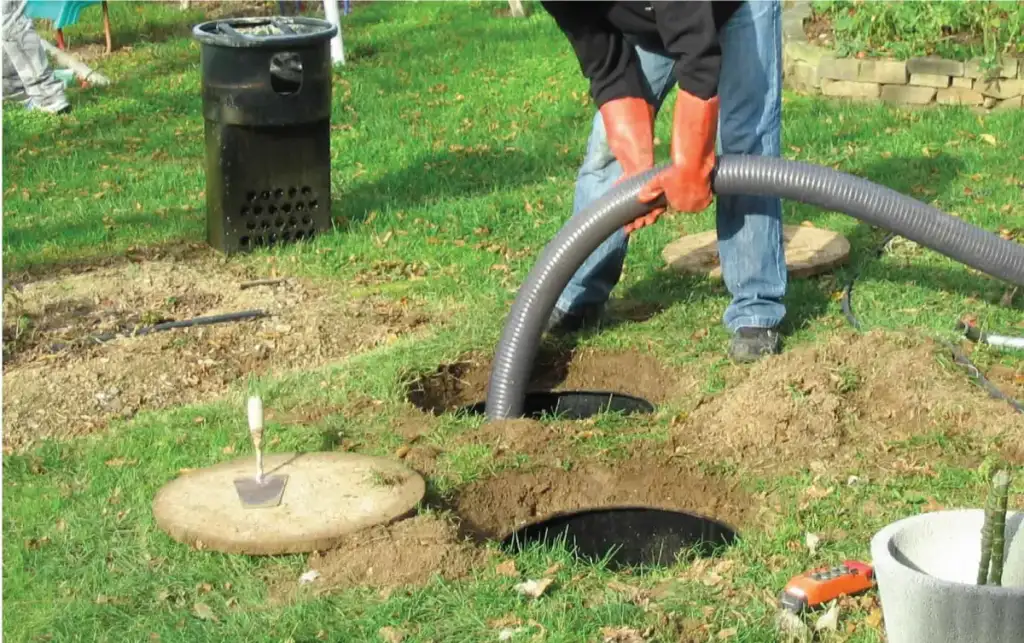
(60,382)
(841,400)
(465,381)
(409,552)
(495,507)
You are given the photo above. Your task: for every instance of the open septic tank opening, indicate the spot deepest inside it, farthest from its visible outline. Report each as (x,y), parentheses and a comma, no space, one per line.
(627,536)
(573,405)
(587,384)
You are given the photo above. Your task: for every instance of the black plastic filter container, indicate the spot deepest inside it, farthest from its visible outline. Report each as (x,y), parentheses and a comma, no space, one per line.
(267,109)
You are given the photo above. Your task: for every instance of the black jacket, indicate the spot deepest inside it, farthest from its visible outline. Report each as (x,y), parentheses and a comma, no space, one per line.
(603,35)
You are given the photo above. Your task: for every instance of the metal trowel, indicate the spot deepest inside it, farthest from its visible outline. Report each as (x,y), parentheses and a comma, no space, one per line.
(261,491)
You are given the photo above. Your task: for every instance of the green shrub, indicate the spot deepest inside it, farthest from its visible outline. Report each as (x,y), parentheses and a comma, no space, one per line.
(955,29)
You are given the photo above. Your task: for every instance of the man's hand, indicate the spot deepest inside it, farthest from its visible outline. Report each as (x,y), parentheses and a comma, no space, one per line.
(629,130)
(687,183)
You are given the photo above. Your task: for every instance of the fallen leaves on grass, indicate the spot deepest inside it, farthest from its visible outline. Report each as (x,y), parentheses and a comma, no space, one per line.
(534,588)
(635,595)
(203,612)
(874,618)
(509,626)
(391,635)
(120,462)
(813,494)
(812,541)
(792,628)
(988,138)
(829,621)
(622,635)
(507,568)
(308,577)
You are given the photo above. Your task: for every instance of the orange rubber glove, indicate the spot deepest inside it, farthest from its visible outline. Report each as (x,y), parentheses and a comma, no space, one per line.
(629,130)
(687,183)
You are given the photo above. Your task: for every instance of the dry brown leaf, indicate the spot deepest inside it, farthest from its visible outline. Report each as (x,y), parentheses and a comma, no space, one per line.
(874,618)
(391,635)
(402,451)
(120,462)
(507,568)
(829,621)
(534,588)
(622,635)
(505,621)
(727,633)
(203,612)
(636,595)
(554,569)
(812,541)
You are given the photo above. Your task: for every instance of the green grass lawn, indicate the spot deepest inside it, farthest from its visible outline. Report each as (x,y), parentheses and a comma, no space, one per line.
(455,141)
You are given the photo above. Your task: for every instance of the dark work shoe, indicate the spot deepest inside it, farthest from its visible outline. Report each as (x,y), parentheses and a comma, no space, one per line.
(750,344)
(563,323)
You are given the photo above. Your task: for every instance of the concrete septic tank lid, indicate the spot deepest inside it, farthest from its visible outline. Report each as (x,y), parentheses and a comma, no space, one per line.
(809,251)
(327,496)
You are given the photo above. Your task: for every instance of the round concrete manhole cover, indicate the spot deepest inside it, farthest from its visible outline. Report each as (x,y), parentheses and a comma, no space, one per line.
(809,251)
(326,496)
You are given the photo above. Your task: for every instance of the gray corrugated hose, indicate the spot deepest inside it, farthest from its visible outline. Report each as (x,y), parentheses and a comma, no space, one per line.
(747,175)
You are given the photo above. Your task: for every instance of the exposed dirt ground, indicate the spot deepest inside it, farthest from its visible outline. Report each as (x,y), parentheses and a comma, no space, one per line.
(848,398)
(834,408)
(409,552)
(60,383)
(632,372)
(497,506)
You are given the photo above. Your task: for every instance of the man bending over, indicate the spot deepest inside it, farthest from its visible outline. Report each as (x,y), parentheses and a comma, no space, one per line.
(725,58)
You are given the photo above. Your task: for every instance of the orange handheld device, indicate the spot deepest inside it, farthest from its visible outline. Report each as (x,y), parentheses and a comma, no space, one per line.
(819,586)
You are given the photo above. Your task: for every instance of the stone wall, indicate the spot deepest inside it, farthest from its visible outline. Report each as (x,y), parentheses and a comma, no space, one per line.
(918,81)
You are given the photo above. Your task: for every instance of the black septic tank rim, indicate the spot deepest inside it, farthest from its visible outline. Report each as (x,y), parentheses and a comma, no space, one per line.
(573,405)
(627,536)
(294,31)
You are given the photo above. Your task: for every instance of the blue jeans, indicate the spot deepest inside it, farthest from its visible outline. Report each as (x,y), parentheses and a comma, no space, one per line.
(749,228)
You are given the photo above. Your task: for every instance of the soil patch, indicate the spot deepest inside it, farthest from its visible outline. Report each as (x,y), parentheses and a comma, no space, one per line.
(465,381)
(59,382)
(818,29)
(847,398)
(495,507)
(409,552)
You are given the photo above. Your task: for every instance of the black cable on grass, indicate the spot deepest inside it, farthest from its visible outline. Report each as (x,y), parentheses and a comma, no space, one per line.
(846,303)
(169,325)
(975,373)
(959,358)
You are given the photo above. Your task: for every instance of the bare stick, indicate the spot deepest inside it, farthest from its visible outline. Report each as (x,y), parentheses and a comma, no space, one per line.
(256,433)
(1001,492)
(261,282)
(106,27)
